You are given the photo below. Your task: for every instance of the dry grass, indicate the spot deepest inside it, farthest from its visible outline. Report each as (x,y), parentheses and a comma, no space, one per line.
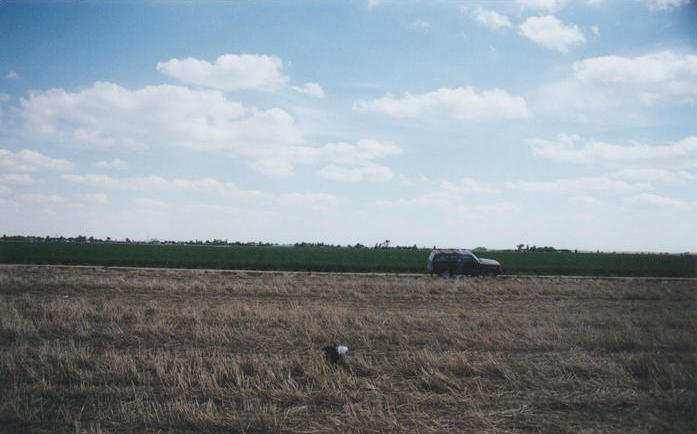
(93,349)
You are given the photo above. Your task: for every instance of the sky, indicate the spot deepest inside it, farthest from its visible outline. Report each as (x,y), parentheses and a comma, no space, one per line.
(436,123)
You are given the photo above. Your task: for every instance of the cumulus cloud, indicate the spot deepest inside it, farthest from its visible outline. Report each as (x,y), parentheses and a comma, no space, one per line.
(545,5)
(344,161)
(664,75)
(228,72)
(456,196)
(109,116)
(43,198)
(657,176)
(99,198)
(601,83)
(30,161)
(273,166)
(586,186)
(491,19)
(17,179)
(549,32)
(113,164)
(665,5)
(463,104)
(197,187)
(145,183)
(363,152)
(354,163)
(312,89)
(106,115)
(420,24)
(150,203)
(651,200)
(369,172)
(573,149)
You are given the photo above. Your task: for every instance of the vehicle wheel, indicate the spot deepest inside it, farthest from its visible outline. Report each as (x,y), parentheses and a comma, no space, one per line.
(491,274)
(445,274)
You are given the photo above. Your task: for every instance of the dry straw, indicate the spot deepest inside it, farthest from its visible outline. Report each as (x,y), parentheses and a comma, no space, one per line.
(93,349)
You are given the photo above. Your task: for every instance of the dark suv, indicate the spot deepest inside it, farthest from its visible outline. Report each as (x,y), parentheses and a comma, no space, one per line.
(449,262)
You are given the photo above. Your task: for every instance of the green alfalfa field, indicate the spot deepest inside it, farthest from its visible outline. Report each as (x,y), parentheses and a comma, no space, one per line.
(102,349)
(363,260)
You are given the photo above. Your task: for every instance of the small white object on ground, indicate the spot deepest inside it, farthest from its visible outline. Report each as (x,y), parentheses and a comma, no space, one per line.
(342,350)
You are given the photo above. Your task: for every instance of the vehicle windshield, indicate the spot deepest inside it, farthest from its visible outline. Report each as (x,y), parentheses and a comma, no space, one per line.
(475,257)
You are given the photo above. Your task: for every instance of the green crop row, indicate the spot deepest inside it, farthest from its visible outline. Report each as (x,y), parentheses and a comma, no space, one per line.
(334,259)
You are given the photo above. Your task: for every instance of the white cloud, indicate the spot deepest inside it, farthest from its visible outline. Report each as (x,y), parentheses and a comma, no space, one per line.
(113,164)
(618,87)
(145,183)
(4,189)
(364,151)
(152,183)
(572,149)
(463,104)
(573,98)
(30,161)
(108,116)
(656,201)
(196,188)
(150,203)
(99,198)
(586,186)
(6,204)
(658,176)
(17,179)
(43,198)
(491,19)
(350,162)
(228,72)
(664,75)
(584,201)
(346,161)
(551,33)
(460,187)
(369,172)
(274,166)
(545,5)
(448,195)
(665,5)
(4,97)
(12,75)
(420,24)
(312,89)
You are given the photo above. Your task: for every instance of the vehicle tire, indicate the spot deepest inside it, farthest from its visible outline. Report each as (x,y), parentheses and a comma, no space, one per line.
(445,274)
(491,274)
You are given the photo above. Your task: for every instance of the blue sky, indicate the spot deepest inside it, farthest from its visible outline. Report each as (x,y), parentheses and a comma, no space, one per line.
(457,124)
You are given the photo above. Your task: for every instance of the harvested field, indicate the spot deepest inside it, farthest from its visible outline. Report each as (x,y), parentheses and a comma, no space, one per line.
(101,349)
